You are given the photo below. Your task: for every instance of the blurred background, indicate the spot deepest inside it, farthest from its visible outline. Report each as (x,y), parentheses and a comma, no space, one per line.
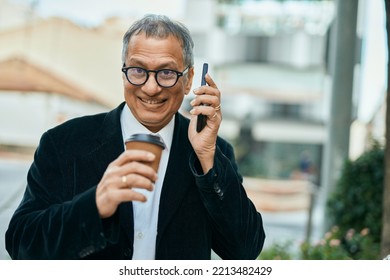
(303,87)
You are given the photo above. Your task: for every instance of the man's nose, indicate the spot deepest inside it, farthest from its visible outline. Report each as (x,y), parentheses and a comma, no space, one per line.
(151,86)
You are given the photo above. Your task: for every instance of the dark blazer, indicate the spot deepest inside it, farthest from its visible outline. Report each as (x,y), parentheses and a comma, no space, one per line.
(58,217)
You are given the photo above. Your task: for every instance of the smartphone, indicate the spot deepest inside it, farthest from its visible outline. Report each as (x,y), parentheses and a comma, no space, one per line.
(202,119)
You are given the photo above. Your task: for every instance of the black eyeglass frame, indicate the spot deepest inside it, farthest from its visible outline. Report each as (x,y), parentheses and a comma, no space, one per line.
(178,75)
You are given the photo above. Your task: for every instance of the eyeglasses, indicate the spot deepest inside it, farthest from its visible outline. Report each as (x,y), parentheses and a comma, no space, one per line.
(165,78)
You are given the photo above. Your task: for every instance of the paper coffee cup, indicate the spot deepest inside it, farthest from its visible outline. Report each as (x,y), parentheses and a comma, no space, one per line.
(147,142)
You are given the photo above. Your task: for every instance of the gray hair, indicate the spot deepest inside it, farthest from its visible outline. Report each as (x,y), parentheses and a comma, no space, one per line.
(160,26)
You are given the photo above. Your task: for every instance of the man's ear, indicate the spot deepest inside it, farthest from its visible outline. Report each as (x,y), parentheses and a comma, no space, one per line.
(190,77)
(124,79)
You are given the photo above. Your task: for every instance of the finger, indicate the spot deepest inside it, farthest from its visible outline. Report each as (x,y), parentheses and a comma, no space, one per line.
(134,181)
(204,110)
(123,165)
(109,195)
(139,168)
(214,117)
(210,81)
(206,90)
(125,195)
(208,111)
(131,195)
(133,155)
(210,100)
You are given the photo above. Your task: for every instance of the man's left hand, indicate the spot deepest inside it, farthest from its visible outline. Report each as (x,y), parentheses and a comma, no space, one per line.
(204,141)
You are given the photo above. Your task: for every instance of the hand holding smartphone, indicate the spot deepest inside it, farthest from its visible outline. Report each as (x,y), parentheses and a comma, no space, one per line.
(202,119)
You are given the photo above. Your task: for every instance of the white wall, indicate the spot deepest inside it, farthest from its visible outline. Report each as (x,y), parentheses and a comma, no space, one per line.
(28,115)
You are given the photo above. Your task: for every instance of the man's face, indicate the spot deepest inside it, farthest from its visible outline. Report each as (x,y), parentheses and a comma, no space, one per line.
(152,105)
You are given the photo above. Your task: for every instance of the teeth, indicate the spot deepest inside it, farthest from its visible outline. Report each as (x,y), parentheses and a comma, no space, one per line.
(151,101)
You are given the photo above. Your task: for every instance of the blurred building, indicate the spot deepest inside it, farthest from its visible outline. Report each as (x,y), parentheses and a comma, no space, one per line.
(33,99)
(52,70)
(269,58)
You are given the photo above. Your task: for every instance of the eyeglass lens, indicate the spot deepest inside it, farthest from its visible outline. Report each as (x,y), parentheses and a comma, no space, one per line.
(164,77)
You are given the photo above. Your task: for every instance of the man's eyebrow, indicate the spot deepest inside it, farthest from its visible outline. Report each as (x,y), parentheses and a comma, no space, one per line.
(165,65)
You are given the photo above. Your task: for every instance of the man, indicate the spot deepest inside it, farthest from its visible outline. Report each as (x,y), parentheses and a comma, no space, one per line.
(88,198)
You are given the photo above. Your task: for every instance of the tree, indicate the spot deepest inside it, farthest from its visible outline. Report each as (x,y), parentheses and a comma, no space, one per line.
(385,243)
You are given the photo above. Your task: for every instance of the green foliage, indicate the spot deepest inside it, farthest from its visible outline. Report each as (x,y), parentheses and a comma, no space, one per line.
(351,246)
(277,251)
(334,246)
(357,201)
(327,248)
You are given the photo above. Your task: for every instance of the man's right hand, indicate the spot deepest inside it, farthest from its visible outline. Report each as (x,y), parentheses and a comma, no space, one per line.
(121,179)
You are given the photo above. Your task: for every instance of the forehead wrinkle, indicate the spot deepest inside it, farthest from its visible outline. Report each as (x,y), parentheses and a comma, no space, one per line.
(135,61)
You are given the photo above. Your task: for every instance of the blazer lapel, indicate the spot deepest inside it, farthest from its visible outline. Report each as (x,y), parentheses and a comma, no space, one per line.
(106,145)
(174,186)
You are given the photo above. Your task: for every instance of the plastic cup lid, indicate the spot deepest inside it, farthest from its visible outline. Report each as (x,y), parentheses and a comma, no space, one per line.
(149,138)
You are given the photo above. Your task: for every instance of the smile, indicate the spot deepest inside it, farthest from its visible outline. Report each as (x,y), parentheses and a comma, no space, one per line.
(152,101)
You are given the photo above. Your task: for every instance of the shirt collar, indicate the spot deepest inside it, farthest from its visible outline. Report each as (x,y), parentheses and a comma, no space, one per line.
(130,126)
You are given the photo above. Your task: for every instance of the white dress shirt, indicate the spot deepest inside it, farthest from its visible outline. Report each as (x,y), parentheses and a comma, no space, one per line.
(146,213)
